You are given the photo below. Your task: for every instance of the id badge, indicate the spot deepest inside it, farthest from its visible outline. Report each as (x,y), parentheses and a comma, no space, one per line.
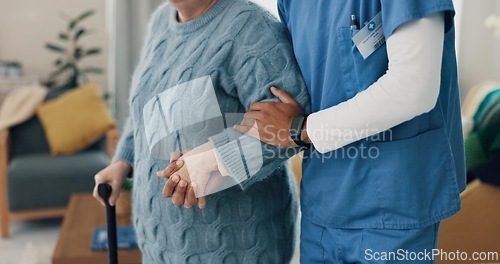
(370,37)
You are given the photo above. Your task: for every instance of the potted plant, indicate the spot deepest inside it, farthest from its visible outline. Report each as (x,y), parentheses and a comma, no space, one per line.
(68,73)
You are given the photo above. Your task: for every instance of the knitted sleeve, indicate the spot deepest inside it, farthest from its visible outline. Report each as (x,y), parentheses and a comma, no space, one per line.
(247,159)
(125,148)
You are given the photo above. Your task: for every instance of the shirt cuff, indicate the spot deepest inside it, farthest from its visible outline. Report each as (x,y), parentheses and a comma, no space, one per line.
(220,165)
(322,138)
(227,148)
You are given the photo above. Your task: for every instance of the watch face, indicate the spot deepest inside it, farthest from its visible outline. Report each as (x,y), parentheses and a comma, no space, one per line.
(296,128)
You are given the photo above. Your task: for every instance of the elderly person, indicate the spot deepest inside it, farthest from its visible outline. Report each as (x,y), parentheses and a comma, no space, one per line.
(202,61)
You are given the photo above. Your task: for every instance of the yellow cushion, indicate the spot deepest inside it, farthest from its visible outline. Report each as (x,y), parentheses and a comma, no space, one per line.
(75,119)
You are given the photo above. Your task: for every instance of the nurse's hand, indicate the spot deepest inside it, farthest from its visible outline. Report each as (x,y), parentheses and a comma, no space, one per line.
(188,175)
(271,122)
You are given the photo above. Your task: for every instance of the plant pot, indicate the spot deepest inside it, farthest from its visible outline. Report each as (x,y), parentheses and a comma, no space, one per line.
(124,204)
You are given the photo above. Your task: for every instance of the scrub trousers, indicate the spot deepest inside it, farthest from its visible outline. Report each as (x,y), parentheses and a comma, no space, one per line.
(320,244)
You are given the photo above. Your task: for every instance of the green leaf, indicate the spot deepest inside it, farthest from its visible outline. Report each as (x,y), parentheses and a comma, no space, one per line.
(63,36)
(64,67)
(85,15)
(59,71)
(55,48)
(78,53)
(73,23)
(92,51)
(93,70)
(80,32)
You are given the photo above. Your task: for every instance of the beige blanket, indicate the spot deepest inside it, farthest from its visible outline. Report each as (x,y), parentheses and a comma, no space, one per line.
(20,105)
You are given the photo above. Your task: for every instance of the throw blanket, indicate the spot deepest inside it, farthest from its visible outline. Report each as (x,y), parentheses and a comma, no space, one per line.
(20,105)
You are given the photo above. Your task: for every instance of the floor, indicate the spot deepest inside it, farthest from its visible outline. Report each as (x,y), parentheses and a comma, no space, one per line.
(26,233)
(42,232)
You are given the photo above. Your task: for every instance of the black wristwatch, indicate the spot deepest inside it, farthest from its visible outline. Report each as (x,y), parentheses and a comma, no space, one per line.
(296,131)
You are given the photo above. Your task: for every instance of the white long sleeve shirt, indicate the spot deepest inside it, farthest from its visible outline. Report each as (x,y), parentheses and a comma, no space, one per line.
(409,88)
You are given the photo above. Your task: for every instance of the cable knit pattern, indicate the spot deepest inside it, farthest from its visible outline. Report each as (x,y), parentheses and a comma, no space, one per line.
(243,50)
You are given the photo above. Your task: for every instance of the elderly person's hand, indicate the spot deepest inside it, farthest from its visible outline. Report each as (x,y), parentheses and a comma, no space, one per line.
(114,175)
(188,174)
(271,122)
(179,186)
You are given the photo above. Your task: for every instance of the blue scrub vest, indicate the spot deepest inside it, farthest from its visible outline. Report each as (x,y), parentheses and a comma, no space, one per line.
(408,177)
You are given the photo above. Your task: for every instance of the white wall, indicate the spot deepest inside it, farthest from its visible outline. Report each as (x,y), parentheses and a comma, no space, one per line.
(127,20)
(479,51)
(458,20)
(25,26)
(270,5)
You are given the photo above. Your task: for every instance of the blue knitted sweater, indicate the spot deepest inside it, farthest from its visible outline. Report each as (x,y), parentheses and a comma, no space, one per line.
(191,79)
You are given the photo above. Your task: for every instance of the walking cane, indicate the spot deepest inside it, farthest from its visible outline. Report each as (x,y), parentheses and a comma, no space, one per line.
(104,191)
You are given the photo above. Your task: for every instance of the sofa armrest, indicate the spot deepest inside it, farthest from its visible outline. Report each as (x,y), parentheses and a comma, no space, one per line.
(4,157)
(4,200)
(112,138)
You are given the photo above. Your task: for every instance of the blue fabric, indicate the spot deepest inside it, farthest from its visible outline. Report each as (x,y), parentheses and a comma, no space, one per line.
(320,244)
(41,180)
(418,171)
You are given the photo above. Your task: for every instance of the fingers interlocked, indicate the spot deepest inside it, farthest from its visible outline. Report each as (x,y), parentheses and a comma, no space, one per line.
(179,186)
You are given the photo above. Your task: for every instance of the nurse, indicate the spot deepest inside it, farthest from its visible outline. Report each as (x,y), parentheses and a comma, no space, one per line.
(384,162)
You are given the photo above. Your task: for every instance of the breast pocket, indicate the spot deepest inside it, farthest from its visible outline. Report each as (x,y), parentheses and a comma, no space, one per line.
(358,73)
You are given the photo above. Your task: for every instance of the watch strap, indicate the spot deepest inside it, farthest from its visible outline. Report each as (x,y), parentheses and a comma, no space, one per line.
(296,131)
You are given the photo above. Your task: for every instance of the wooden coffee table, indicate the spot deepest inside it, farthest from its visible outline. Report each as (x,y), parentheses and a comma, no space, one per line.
(73,246)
